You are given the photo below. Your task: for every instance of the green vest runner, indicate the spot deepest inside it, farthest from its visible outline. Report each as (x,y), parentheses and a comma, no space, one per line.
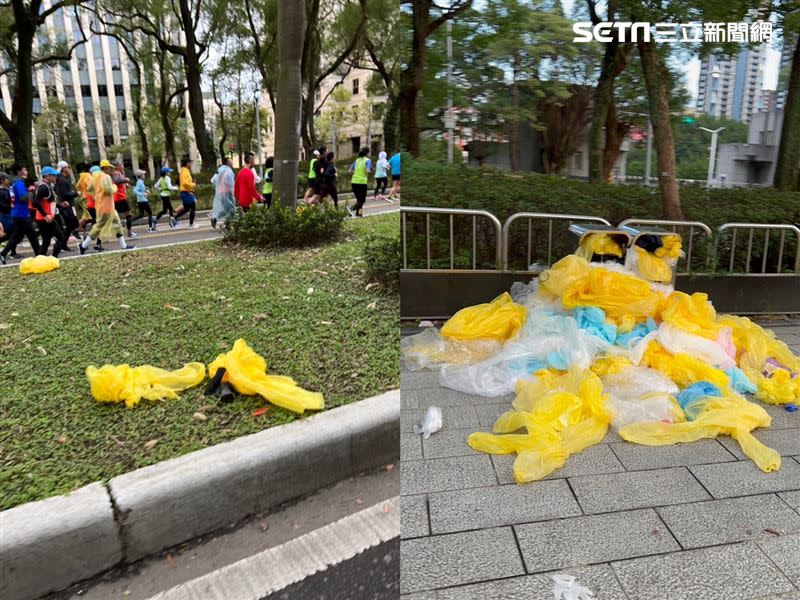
(312,174)
(360,171)
(267,189)
(164,186)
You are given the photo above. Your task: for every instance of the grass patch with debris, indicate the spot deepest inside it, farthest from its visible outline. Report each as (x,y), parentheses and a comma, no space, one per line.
(310,313)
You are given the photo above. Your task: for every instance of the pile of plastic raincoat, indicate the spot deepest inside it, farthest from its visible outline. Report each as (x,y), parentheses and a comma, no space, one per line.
(593,345)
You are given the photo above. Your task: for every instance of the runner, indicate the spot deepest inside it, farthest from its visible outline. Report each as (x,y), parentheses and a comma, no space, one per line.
(360,169)
(165,188)
(381,178)
(224,206)
(313,182)
(6,224)
(328,182)
(44,203)
(188,199)
(142,204)
(121,204)
(108,223)
(20,215)
(394,164)
(244,188)
(89,214)
(266,191)
(66,194)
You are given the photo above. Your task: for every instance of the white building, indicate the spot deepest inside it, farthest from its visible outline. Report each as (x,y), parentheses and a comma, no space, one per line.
(731,87)
(753,162)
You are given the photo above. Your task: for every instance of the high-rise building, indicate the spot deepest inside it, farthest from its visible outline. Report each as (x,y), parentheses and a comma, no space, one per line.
(731,86)
(789,43)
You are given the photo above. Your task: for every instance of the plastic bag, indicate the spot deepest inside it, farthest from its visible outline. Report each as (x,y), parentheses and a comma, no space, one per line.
(38,265)
(566,272)
(123,383)
(431,422)
(694,314)
(692,399)
(649,266)
(637,394)
(498,320)
(246,371)
(593,320)
(675,340)
(562,415)
(727,415)
(740,383)
(520,292)
(598,243)
(429,350)
(565,587)
(681,368)
(670,248)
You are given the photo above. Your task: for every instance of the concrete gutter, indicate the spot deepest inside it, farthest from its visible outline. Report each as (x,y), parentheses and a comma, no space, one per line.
(54,543)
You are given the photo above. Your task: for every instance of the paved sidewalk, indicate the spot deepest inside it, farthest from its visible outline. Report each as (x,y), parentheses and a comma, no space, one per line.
(684,522)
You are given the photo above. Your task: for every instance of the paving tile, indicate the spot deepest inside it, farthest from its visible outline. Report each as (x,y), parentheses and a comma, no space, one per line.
(594,460)
(636,489)
(743,478)
(592,539)
(442,396)
(458,558)
(449,443)
(784,552)
(730,520)
(414,516)
(637,457)
(409,399)
(414,380)
(410,446)
(420,596)
(781,418)
(784,441)
(440,474)
(792,499)
(501,505)
(733,572)
(598,578)
(789,596)
(612,436)
(488,413)
(453,417)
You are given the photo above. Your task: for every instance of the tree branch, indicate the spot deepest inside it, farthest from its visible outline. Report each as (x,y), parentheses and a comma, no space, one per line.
(455,10)
(347,51)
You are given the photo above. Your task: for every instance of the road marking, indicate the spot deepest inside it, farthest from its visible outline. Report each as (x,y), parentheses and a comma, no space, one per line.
(279,567)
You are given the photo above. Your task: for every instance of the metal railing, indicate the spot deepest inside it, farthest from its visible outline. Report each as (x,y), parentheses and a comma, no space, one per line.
(450,213)
(752,228)
(674,225)
(549,217)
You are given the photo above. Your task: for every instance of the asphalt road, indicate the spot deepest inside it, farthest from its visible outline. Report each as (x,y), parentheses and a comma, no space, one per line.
(183,234)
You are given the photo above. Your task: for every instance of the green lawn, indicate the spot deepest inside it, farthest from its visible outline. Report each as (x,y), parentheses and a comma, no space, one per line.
(308,312)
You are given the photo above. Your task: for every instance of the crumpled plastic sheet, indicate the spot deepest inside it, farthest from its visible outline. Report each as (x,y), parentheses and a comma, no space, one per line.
(675,341)
(123,383)
(598,243)
(430,350)
(565,587)
(520,292)
(38,265)
(431,422)
(637,394)
(246,371)
(498,320)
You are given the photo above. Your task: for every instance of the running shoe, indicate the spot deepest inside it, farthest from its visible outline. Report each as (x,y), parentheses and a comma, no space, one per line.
(195,226)
(350,212)
(213,223)
(129,247)
(2,259)
(173,223)
(82,249)
(15,255)
(133,235)
(99,249)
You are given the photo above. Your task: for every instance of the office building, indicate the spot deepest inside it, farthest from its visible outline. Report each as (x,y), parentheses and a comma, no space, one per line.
(731,86)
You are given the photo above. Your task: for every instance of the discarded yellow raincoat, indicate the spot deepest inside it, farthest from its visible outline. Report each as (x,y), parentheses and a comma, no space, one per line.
(499,319)
(38,265)
(246,371)
(683,369)
(123,383)
(598,243)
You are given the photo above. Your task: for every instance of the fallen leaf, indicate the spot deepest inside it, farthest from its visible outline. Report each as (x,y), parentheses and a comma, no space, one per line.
(263,525)
(14,314)
(259,317)
(386,509)
(359,501)
(124,306)
(260,411)
(372,305)
(170,561)
(63,439)
(42,350)
(5,325)
(772,531)
(207,408)
(326,322)
(200,416)
(286,297)
(370,286)
(149,444)
(389,467)
(310,290)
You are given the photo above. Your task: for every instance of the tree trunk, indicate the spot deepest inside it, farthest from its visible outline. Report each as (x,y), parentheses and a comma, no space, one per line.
(192,68)
(291,24)
(603,96)
(614,136)
(390,124)
(20,126)
(786,165)
(657,82)
(413,77)
(514,122)
(224,136)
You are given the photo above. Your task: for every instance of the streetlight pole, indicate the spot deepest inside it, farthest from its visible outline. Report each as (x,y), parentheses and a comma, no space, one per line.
(713,155)
(449,118)
(258,136)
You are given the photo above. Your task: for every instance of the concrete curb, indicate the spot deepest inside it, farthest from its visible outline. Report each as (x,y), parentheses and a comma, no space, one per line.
(54,543)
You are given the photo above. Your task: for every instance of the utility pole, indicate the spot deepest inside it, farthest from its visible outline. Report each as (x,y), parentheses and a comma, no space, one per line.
(258,136)
(649,151)
(449,120)
(712,158)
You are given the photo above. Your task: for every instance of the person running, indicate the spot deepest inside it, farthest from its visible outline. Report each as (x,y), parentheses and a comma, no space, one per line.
(394,166)
(266,190)
(381,176)
(313,182)
(360,169)
(6,223)
(244,188)
(108,223)
(20,214)
(188,200)
(142,204)
(121,204)
(328,180)
(224,206)
(165,189)
(44,203)
(89,215)
(66,194)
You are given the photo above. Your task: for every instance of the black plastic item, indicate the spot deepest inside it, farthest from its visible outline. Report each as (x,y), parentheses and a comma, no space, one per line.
(215,383)
(649,243)
(226,393)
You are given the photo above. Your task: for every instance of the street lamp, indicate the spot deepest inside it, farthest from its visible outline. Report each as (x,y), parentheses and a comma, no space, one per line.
(713,155)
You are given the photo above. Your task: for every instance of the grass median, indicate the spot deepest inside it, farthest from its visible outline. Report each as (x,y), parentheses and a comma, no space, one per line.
(310,313)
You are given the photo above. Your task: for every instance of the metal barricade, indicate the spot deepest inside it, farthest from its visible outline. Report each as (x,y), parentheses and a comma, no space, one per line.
(450,213)
(550,218)
(734,228)
(674,225)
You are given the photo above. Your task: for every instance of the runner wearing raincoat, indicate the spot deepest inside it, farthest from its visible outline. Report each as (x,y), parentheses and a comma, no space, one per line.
(224,206)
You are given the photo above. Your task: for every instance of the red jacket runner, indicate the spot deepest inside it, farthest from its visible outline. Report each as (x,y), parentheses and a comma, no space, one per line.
(244,188)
